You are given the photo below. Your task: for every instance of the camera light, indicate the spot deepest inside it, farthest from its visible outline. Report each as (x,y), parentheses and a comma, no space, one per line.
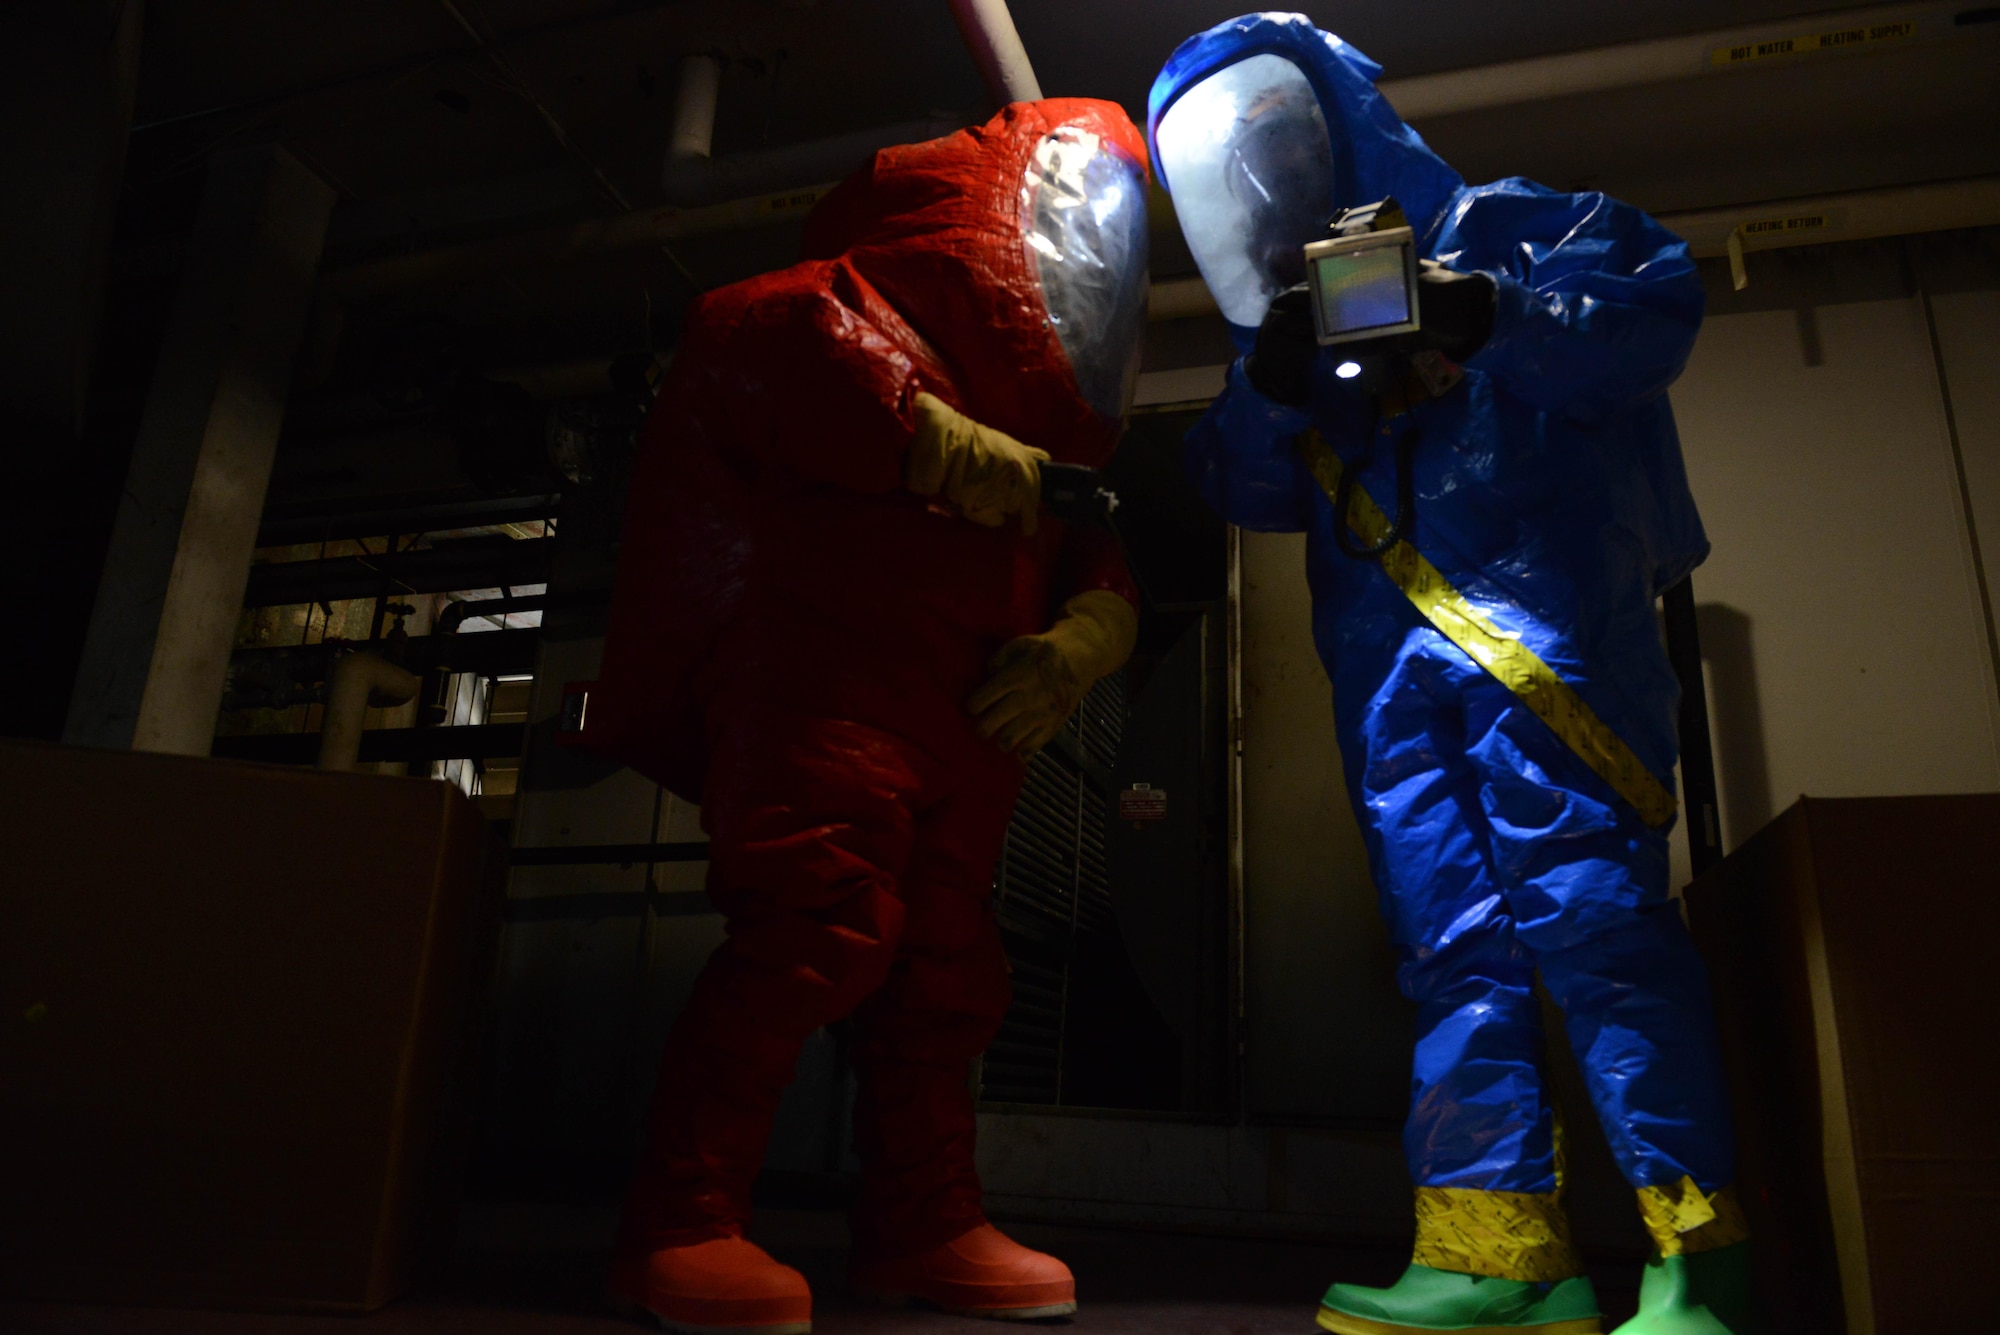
(1347,370)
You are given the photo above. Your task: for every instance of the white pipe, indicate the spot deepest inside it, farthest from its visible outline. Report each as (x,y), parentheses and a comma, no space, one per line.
(1006,67)
(693,135)
(1666,59)
(693,176)
(557,245)
(693,182)
(1870,213)
(1857,215)
(355,678)
(990,35)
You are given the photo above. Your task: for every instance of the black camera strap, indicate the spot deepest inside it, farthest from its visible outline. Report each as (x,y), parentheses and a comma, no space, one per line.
(1406,499)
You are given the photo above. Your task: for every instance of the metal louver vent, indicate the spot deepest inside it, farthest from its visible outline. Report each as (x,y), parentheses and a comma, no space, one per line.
(1051,885)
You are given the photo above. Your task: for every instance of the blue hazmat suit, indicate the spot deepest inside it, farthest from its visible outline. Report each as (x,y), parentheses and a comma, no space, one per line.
(1551,493)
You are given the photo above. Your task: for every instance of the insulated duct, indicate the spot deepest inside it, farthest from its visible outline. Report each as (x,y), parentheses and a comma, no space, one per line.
(990,35)
(357,677)
(693,135)
(808,170)
(693,176)
(1857,215)
(1723,52)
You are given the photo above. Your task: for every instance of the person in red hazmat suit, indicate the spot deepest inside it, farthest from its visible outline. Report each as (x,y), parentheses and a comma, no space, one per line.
(841,624)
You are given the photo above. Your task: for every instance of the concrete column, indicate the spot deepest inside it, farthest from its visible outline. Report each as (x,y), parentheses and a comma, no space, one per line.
(68,71)
(161,629)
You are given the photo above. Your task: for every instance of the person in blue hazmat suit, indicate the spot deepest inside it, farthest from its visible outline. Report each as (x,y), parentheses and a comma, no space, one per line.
(1492,504)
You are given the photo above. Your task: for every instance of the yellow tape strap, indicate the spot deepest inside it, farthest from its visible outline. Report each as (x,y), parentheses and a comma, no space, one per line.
(1504,1234)
(1516,666)
(1682,1218)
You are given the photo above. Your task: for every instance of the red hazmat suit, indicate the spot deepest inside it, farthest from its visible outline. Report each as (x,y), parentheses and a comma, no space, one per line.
(794,637)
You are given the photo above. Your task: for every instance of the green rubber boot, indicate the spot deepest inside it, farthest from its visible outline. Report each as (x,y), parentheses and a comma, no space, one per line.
(1706,1293)
(1426,1300)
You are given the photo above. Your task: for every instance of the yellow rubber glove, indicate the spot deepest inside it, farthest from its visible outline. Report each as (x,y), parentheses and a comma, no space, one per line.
(987,474)
(1037,681)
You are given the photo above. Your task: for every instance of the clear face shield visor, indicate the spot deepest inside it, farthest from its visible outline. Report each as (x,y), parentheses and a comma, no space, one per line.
(1083,207)
(1248,159)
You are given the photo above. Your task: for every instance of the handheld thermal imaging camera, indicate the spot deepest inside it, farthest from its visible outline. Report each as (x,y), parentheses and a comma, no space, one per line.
(1364,280)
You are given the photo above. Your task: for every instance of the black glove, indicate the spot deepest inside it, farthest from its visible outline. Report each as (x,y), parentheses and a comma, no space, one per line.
(1457,309)
(1280,365)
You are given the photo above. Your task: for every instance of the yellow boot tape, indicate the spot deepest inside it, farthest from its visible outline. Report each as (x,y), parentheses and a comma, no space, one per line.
(1512,663)
(1684,1219)
(1504,1234)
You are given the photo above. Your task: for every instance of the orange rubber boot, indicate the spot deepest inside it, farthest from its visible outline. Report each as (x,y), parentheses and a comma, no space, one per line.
(982,1273)
(723,1284)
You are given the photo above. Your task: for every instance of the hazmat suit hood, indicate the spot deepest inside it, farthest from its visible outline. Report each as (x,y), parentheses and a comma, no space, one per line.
(1017,251)
(1243,161)
(770,536)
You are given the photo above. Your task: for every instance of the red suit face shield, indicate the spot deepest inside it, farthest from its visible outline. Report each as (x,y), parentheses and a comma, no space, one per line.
(1017,253)
(1083,205)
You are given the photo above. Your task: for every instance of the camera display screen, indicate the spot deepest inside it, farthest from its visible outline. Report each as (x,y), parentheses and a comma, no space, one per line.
(1361,290)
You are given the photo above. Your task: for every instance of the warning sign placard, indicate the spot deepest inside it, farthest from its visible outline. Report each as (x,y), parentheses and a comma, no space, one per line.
(1142,803)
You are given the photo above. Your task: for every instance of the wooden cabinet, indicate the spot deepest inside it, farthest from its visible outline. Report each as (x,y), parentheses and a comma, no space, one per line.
(1855,950)
(234,1009)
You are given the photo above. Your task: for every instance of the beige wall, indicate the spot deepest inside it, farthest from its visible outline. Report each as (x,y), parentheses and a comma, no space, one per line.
(1841,617)
(1968,326)
(1329,1038)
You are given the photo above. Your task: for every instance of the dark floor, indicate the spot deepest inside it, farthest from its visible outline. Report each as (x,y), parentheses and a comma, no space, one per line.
(537,1272)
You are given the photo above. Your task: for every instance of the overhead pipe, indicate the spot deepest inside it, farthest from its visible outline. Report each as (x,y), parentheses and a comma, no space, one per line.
(1852,216)
(1725,51)
(774,173)
(995,44)
(456,614)
(558,245)
(706,195)
(358,681)
(693,176)
(693,134)
(996,48)
(1857,215)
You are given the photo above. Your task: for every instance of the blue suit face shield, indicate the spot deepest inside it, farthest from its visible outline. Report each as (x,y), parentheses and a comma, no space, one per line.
(1262,129)
(1251,162)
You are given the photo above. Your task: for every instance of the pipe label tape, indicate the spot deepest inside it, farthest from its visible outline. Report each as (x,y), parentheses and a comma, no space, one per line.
(1762,229)
(1818,43)
(793,201)
(1761,233)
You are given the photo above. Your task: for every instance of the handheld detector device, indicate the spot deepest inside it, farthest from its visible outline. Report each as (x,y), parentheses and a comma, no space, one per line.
(1363,285)
(1077,495)
(1082,496)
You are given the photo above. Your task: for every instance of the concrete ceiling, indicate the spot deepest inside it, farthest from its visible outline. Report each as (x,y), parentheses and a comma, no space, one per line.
(391,98)
(397,106)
